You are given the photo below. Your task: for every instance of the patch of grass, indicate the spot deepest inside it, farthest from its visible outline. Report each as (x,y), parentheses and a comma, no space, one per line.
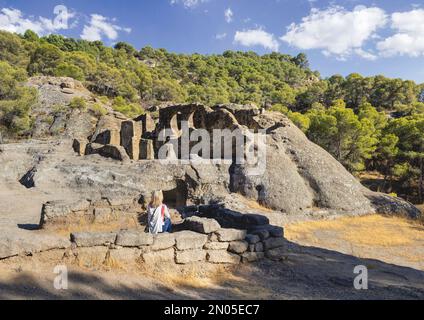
(86,224)
(371,230)
(78,103)
(98,110)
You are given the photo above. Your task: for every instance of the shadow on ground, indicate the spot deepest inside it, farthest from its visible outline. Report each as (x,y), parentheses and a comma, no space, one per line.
(304,273)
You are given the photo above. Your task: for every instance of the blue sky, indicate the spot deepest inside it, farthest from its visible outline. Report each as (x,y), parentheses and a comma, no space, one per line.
(339,37)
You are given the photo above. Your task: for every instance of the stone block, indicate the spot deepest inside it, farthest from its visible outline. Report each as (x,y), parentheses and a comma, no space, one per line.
(250,220)
(190,240)
(274,231)
(259,247)
(222,256)
(155,257)
(252,238)
(238,247)
(92,239)
(276,254)
(226,235)
(163,241)
(201,225)
(262,234)
(188,256)
(251,256)
(91,256)
(272,243)
(216,245)
(134,238)
(127,255)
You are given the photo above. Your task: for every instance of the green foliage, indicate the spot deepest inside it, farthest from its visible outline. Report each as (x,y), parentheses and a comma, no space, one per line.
(98,110)
(68,70)
(15,100)
(45,60)
(128,109)
(348,116)
(78,103)
(350,139)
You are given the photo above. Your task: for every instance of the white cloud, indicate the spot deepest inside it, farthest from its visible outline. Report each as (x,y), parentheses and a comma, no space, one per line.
(188,3)
(13,20)
(228,15)
(220,36)
(409,36)
(337,31)
(100,27)
(256,37)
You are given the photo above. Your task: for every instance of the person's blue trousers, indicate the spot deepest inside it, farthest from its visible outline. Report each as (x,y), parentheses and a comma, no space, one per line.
(167,227)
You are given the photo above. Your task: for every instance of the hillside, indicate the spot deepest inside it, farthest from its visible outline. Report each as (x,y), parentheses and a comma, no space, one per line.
(367,123)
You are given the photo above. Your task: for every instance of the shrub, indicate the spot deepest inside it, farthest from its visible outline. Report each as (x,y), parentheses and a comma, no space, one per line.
(78,103)
(98,110)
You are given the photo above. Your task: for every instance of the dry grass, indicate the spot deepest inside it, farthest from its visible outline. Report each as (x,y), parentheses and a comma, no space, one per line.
(85,224)
(254,205)
(371,230)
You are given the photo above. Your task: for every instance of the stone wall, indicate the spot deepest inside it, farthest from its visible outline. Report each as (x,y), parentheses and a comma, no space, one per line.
(203,240)
(56,213)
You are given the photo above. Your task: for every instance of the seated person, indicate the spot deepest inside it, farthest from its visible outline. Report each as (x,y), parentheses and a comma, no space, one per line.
(159,219)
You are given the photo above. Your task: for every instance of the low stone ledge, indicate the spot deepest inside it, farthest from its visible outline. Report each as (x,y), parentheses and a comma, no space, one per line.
(189,256)
(225,235)
(57,210)
(222,257)
(134,238)
(238,247)
(185,240)
(92,239)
